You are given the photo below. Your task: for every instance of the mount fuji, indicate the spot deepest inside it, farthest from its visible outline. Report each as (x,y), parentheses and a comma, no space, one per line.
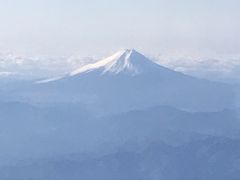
(126,81)
(87,120)
(125,61)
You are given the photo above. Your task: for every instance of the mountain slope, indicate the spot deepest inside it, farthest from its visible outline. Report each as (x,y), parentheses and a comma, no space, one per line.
(126,81)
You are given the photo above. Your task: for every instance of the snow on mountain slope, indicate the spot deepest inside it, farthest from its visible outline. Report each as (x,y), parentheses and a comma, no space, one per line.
(128,60)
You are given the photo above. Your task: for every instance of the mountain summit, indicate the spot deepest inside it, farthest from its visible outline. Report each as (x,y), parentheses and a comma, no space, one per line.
(128,61)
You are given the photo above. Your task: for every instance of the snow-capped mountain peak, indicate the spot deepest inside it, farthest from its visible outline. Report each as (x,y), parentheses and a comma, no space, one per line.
(128,60)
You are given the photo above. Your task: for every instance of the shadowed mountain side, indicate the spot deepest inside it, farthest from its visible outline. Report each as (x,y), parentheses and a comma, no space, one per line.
(149,122)
(212,158)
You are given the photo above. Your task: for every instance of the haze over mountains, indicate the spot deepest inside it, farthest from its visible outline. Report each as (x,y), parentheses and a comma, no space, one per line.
(213,67)
(123,117)
(116,83)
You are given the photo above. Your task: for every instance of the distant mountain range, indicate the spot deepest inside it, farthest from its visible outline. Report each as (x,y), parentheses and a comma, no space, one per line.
(207,159)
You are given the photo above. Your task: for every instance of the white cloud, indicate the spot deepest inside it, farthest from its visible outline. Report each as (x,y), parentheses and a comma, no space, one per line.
(214,67)
(38,67)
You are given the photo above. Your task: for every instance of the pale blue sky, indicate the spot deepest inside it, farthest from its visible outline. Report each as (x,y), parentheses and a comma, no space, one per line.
(65,27)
